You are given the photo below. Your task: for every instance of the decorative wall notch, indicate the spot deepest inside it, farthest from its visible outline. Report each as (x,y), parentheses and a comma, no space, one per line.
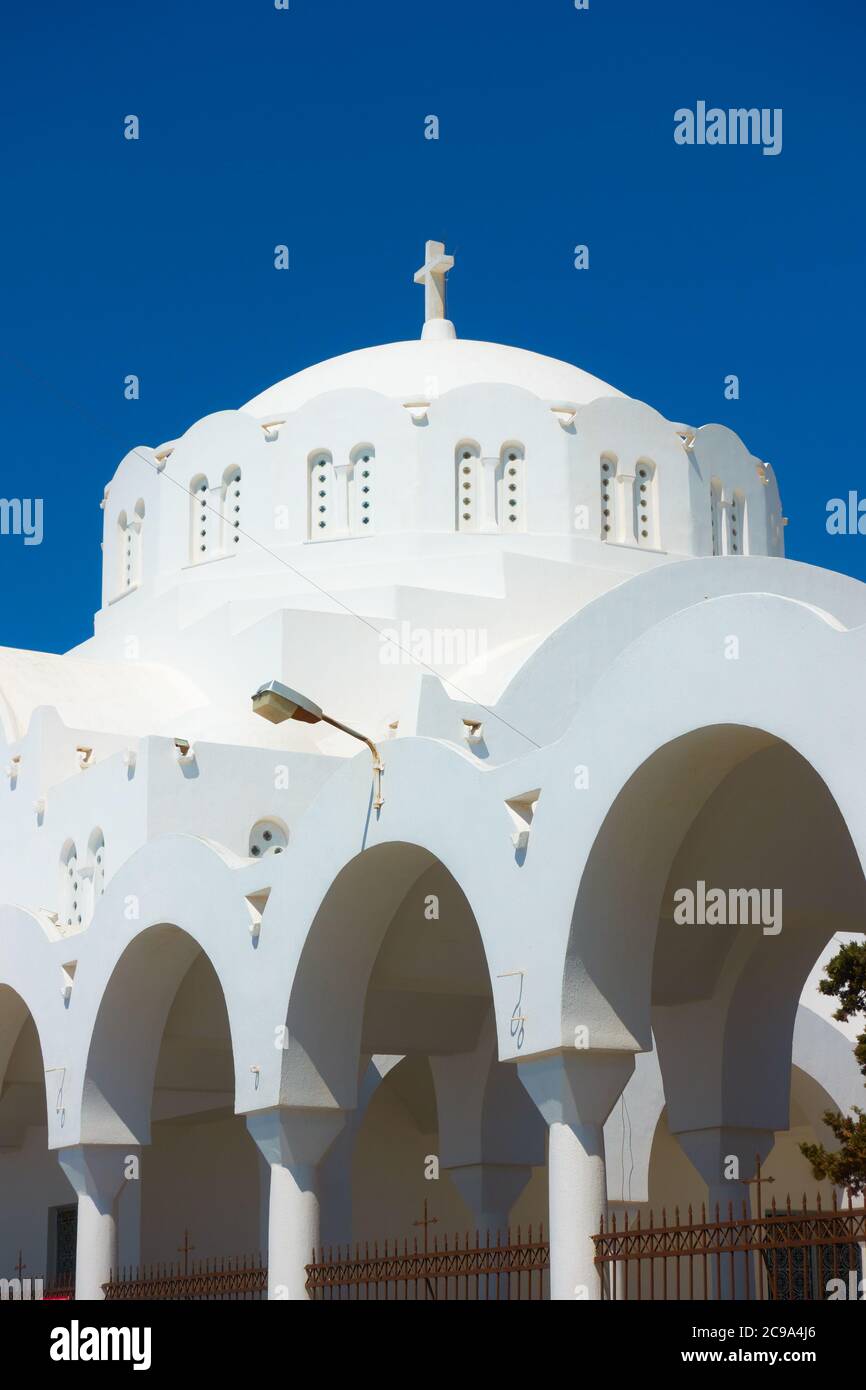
(418,410)
(256,904)
(688,434)
(474,730)
(185,750)
(67,978)
(564,411)
(85,757)
(521,809)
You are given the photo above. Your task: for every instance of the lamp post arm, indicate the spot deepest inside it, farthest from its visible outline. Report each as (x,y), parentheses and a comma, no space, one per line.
(378,767)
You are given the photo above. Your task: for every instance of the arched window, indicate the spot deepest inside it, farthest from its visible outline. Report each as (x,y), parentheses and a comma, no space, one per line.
(629,507)
(644,505)
(201,520)
(94,873)
(230,509)
(128,549)
(716,515)
(120,586)
(608,466)
(320,495)
(511,488)
(468,499)
(360,489)
(728,520)
(737,524)
(71,906)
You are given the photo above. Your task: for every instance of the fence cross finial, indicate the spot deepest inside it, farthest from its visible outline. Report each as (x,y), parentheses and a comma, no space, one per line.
(185,1251)
(756,1182)
(427,1221)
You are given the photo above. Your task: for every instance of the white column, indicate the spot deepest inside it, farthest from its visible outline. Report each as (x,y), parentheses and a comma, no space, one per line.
(128,1213)
(725,1155)
(575,1093)
(97,1172)
(293,1141)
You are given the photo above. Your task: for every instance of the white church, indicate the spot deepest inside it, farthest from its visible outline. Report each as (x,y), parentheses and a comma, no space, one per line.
(455,805)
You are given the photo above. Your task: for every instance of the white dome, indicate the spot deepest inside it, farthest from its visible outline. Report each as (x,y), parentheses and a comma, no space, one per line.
(419,369)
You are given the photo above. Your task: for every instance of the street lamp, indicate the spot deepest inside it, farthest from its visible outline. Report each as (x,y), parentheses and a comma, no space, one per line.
(276,703)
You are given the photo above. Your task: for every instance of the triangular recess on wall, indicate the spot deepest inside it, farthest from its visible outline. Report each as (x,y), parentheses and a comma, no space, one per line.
(257,902)
(521,809)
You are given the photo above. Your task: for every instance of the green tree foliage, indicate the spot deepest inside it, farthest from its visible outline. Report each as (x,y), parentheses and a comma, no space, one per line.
(845,1166)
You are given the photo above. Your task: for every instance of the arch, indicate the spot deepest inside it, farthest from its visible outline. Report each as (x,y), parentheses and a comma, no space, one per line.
(14,1015)
(369,897)
(27,966)
(171,900)
(124,1044)
(34,1188)
(730,805)
(667,678)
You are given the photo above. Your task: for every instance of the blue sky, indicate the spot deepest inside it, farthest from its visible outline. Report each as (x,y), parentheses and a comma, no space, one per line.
(306,127)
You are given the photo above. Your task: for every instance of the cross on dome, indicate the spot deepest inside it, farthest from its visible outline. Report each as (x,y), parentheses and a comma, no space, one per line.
(432,276)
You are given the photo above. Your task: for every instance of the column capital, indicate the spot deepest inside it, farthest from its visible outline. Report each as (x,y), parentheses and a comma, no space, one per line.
(295,1136)
(576,1088)
(490,1190)
(98,1171)
(710,1150)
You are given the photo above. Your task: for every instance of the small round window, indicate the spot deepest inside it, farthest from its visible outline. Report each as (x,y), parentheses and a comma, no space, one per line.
(267,837)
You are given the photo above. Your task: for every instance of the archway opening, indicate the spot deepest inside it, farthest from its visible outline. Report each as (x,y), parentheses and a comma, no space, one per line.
(37,1234)
(202,1188)
(202,1179)
(438,1118)
(718,877)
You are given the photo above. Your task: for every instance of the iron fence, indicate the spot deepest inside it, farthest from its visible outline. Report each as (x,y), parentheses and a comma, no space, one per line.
(498,1269)
(784,1254)
(234,1279)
